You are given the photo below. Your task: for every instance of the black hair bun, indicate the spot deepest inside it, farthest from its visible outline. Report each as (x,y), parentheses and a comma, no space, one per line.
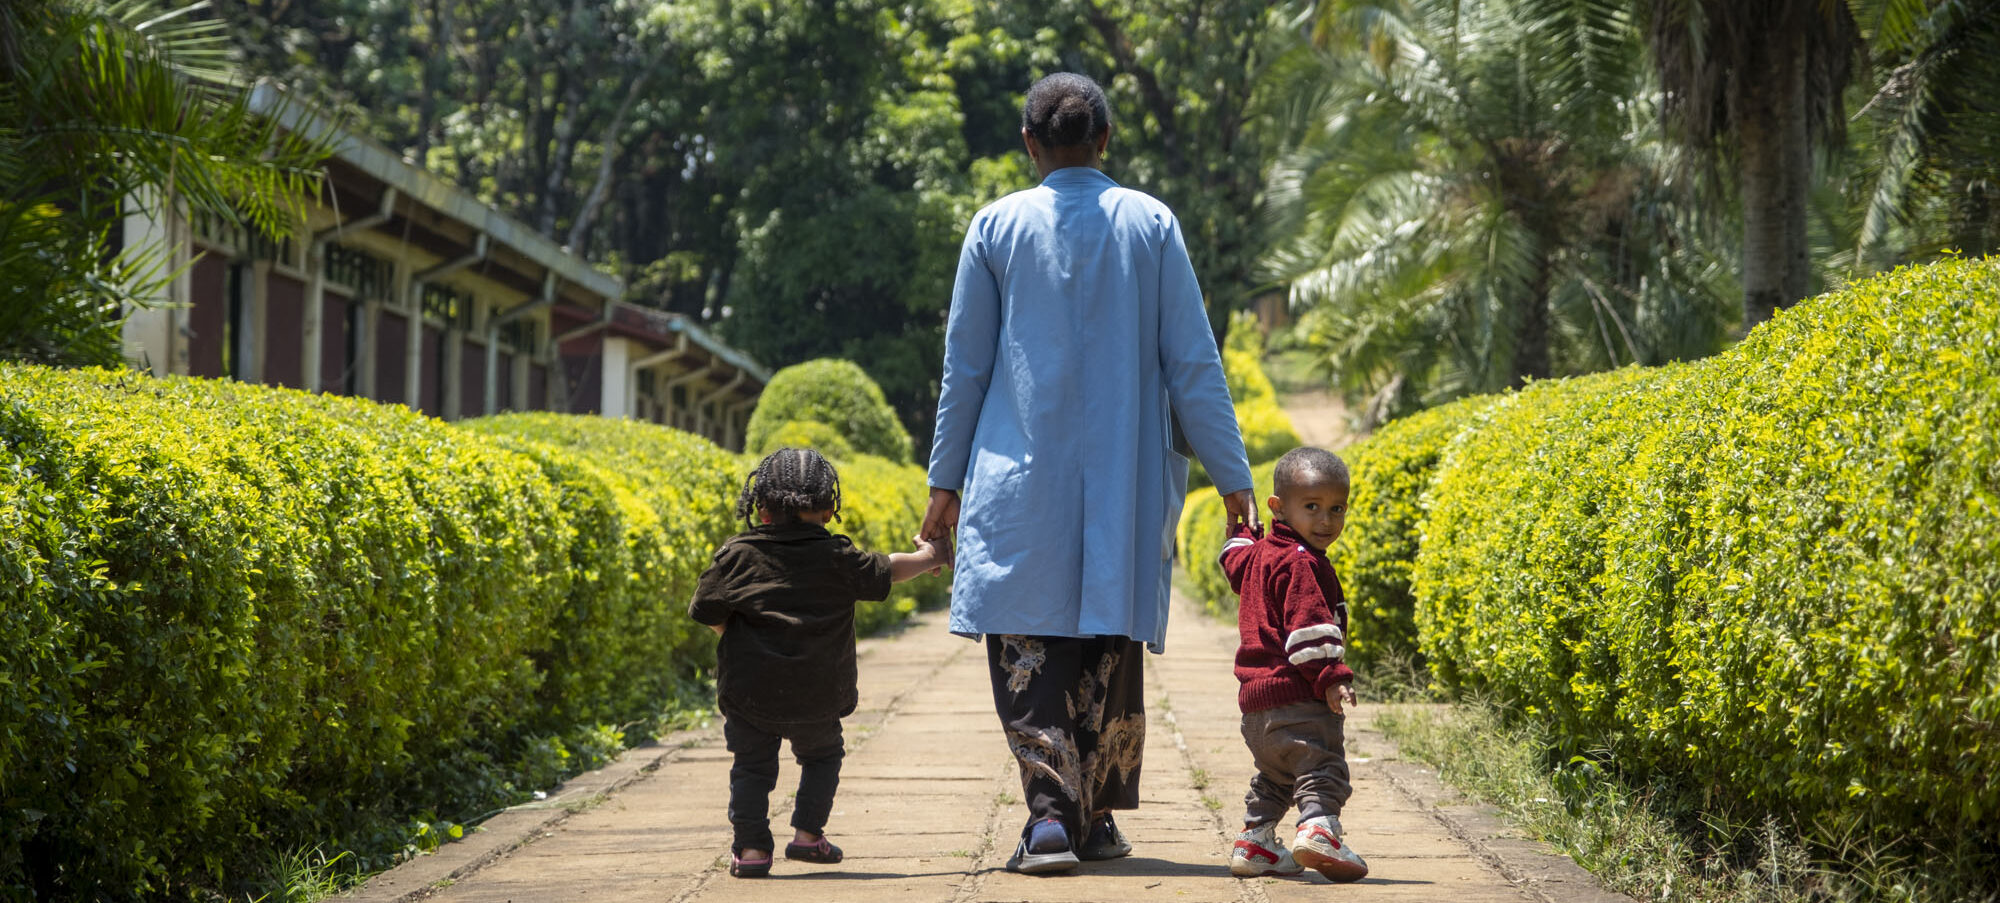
(1065,110)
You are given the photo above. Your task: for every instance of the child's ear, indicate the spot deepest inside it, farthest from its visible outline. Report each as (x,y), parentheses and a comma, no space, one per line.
(1276,506)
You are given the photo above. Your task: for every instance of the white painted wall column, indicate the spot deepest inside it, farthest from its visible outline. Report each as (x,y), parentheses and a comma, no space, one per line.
(616,397)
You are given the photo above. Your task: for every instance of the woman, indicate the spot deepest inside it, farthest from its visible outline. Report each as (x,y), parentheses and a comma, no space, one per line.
(1076,328)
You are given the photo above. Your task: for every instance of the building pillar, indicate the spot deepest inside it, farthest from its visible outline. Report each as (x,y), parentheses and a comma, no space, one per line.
(313,321)
(617,398)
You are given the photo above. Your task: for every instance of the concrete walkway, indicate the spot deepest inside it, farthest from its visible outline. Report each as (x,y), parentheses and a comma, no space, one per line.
(929,809)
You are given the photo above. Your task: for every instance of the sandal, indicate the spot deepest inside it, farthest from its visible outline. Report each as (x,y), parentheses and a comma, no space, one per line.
(822,852)
(748,868)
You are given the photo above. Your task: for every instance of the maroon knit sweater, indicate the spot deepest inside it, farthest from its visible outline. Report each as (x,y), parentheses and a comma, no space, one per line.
(1293,619)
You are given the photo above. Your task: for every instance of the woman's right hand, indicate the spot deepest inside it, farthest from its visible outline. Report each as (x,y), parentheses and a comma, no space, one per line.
(940,518)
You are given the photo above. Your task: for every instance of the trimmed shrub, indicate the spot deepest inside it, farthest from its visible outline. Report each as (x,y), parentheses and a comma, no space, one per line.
(1769,576)
(805,434)
(837,393)
(1267,430)
(1199,538)
(882,508)
(1391,473)
(235,612)
(649,505)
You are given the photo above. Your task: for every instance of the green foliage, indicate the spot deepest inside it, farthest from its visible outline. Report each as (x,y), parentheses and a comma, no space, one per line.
(805,434)
(108,104)
(1267,430)
(1768,576)
(239,613)
(1199,538)
(882,508)
(648,506)
(1473,195)
(836,393)
(1390,476)
(243,620)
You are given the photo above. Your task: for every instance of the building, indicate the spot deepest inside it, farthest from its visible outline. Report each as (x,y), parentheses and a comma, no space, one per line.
(403,288)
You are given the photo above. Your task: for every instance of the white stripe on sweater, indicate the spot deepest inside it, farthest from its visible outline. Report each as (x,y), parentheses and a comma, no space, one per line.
(1315,632)
(1234,543)
(1328,651)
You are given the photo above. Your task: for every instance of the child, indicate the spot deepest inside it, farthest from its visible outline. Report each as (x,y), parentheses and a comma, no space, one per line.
(781,595)
(1293,620)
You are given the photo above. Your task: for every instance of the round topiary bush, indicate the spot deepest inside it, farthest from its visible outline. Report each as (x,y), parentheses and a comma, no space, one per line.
(805,434)
(837,393)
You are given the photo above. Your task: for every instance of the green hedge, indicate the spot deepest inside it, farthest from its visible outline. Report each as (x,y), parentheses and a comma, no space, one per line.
(1267,430)
(1390,472)
(837,393)
(240,620)
(804,434)
(1772,576)
(649,506)
(232,613)
(882,508)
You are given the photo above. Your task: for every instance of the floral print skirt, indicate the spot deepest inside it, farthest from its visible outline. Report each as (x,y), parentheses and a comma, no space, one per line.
(1074,712)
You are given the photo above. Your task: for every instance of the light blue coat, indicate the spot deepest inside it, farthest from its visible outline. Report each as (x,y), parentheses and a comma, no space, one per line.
(1076,324)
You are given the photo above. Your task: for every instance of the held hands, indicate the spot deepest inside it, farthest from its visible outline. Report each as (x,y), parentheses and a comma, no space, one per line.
(1242,508)
(940,519)
(1340,698)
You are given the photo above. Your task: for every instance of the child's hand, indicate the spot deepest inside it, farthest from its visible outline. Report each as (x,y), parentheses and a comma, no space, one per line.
(930,553)
(1342,697)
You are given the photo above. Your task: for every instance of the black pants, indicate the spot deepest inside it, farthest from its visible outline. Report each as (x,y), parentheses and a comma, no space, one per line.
(1074,712)
(818,749)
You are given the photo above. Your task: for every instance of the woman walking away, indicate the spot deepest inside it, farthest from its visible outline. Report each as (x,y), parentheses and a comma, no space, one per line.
(1076,332)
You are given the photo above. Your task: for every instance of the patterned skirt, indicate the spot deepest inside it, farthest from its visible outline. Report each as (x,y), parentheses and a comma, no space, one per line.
(1074,712)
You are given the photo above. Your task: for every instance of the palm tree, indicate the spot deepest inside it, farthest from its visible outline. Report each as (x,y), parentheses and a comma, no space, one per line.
(1755,86)
(1930,128)
(1475,196)
(104,105)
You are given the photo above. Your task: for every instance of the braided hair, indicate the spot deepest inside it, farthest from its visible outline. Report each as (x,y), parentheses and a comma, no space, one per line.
(787,482)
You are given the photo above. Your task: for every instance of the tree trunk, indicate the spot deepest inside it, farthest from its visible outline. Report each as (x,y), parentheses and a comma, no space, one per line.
(1769,100)
(1531,332)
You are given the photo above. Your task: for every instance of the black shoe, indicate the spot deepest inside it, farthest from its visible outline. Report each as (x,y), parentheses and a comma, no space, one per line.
(1105,841)
(1044,850)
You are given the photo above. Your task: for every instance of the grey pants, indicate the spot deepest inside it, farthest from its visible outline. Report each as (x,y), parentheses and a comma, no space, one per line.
(1301,757)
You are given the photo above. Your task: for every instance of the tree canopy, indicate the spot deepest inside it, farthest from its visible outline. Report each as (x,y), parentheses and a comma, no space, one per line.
(1455,196)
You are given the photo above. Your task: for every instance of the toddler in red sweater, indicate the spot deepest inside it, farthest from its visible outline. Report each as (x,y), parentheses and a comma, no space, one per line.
(1295,682)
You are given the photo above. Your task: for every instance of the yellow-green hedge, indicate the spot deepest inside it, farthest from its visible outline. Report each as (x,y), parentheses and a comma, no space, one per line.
(1772,576)
(1390,474)
(233,613)
(837,393)
(1267,430)
(649,506)
(236,620)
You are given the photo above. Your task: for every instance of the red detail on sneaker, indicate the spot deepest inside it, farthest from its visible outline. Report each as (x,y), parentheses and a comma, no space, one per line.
(1257,850)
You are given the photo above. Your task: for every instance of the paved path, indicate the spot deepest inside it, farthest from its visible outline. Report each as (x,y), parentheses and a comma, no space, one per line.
(929,810)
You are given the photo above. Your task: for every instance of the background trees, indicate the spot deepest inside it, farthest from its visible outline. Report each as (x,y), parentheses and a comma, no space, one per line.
(103,106)
(1456,196)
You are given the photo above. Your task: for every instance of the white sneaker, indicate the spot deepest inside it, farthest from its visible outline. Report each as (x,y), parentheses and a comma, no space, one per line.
(1257,854)
(1318,847)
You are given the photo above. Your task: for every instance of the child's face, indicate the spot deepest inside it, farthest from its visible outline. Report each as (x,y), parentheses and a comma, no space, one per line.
(1317,510)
